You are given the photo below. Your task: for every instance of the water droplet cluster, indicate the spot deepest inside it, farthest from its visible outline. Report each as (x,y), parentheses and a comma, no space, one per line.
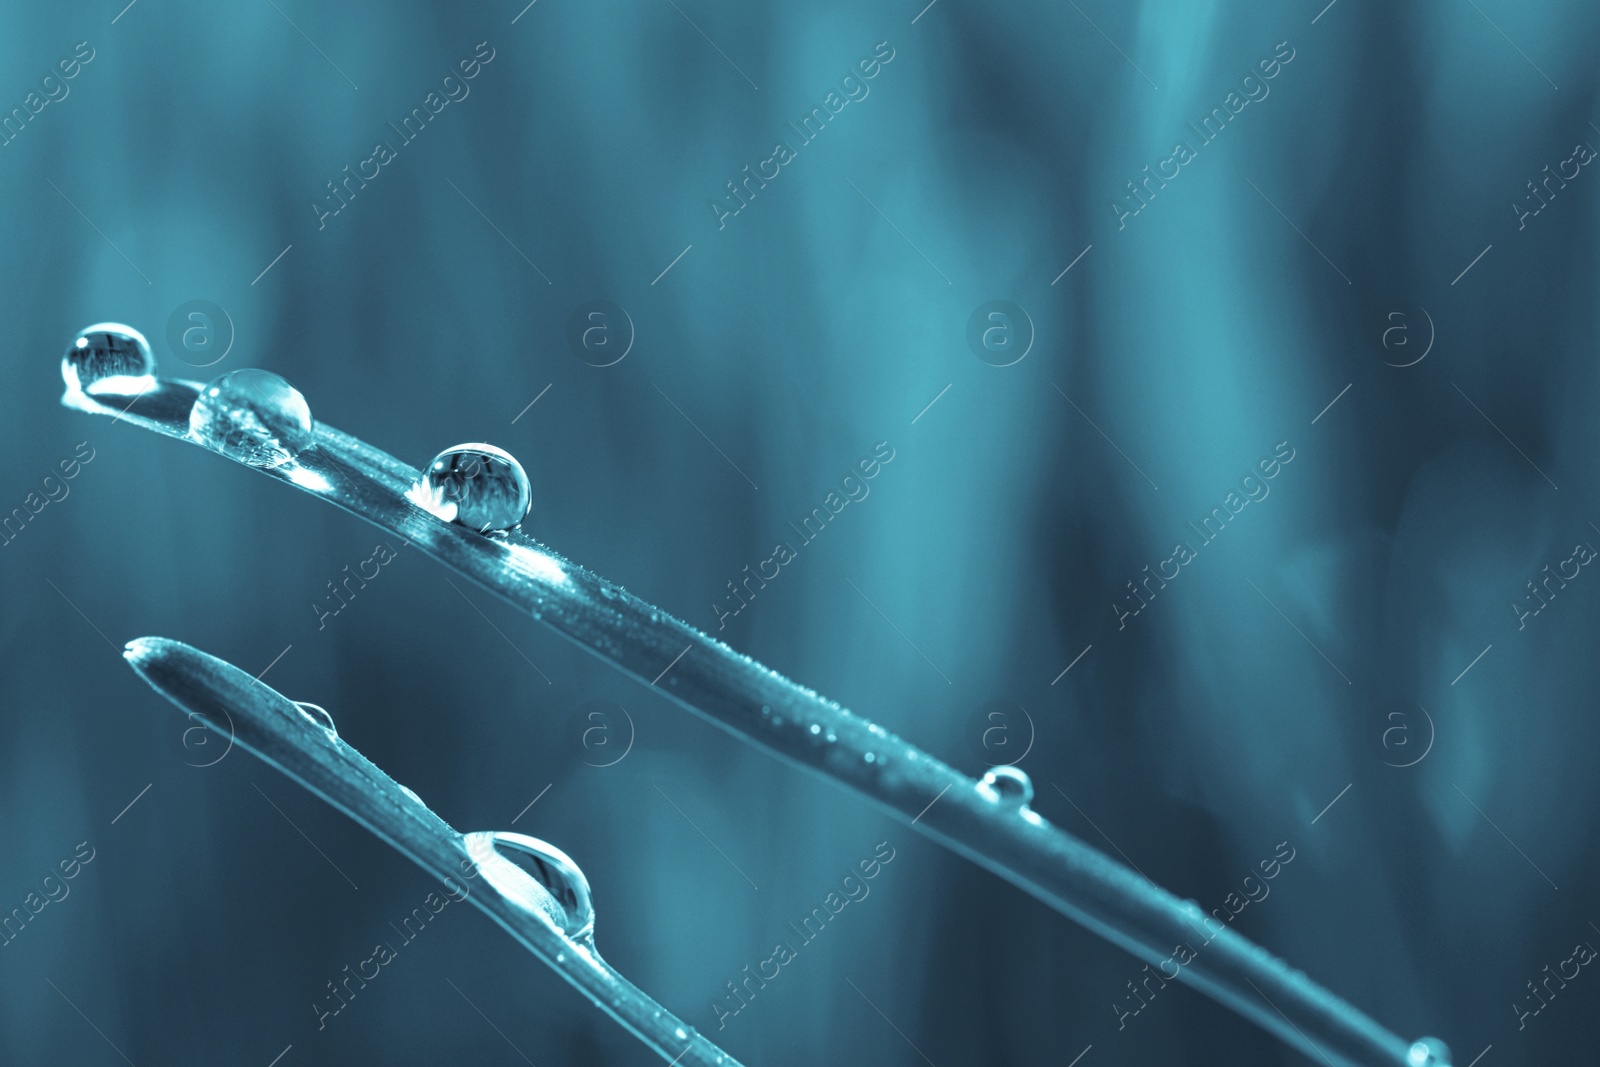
(257,418)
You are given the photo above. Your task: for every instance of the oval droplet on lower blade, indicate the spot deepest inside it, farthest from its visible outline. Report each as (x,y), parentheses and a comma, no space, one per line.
(253,416)
(1011,785)
(318,716)
(475,485)
(109,358)
(558,874)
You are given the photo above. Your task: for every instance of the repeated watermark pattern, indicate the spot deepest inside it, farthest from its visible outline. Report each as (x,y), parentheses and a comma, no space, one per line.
(854,86)
(53,489)
(53,889)
(853,488)
(53,88)
(1000,333)
(453,89)
(1253,88)
(1253,889)
(853,888)
(1253,488)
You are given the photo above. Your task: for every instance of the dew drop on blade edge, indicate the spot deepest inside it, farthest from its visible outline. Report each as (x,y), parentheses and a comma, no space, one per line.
(475,485)
(1011,785)
(1428,1052)
(318,716)
(109,358)
(252,416)
(558,874)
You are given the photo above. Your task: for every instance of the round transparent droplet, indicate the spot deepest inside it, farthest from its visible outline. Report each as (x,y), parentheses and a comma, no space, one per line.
(558,874)
(252,416)
(318,716)
(1011,785)
(412,793)
(1428,1052)
(476,485)
(109,358)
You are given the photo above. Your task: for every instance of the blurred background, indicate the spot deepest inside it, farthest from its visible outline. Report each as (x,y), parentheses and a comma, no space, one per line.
(1372,259)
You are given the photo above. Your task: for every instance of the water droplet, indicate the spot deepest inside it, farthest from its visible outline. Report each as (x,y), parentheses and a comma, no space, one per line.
(476,485)
(318,716)
(870,757)
(408,791)
(558,874)
(109,357)
(1428,1052)
(682,1034)
(816,728)
(252,416)
(1011,785)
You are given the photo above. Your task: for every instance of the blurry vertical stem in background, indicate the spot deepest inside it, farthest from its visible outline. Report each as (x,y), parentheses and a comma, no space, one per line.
(993,827)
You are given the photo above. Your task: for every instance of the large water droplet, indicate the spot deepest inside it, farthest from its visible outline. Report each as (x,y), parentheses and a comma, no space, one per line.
(318,716)
(476,485)
(109,358)
(559,875)
(1428,1052)
(252,416)
(1011,785)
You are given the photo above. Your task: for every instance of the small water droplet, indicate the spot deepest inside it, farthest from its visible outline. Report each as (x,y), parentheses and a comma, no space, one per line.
(252,416)
(816,728)
(561,957)
(682,1034)
(412,793)
(1011,785)
(560,876)
(1428,1052)
(318,716)
(109,357)
(476,485)
(871,757)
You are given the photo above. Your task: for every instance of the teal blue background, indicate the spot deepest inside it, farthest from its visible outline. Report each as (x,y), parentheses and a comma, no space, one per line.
(822,319)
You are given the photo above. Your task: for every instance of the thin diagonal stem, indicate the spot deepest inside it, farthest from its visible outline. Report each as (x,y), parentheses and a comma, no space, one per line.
(267,724)
(790,721)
